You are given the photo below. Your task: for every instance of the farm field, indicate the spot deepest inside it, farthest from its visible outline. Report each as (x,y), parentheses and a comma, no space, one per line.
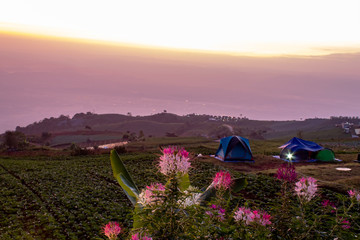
(53,195)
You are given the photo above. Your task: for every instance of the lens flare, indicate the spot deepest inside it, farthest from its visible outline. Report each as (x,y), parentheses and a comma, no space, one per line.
(290,156)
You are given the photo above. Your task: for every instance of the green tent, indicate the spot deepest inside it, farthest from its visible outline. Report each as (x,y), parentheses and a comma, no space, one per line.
(325,155)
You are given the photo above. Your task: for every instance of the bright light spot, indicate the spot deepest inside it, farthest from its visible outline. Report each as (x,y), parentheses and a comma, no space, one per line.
(290,156)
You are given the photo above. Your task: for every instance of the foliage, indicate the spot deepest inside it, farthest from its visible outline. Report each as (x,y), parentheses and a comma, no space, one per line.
(78,151)
(178,211)
(120,149)
(57,198)
(15,140)
(45,135)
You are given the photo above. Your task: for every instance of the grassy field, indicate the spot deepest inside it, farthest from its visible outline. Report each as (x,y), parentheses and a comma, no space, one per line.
(53,195)
(63,139)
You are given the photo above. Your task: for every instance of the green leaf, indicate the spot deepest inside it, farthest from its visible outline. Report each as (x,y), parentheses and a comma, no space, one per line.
(129,190)
(239,183)
(207,194)
(118,166)
(123,177)
(183,181)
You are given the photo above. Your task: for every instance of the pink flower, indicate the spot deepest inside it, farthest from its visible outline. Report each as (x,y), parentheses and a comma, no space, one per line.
(351,193)
(151,194)
(209,213)
(244,214)
(248,216)
(306,188)
(221,214)
(325,203)
(137,236)
(174,160)
(354,194)
(222,180)
(156,187)
(286,172)
(345,224)
(111,230)
(213,206)
(216,212)
(265,219)
(328,204)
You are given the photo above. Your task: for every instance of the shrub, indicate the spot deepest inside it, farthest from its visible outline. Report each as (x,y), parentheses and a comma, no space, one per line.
(120,149)
(15,140)
(78,151)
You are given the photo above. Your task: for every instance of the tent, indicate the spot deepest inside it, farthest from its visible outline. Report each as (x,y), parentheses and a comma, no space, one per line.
(234,149)
(325,155)
(299,150)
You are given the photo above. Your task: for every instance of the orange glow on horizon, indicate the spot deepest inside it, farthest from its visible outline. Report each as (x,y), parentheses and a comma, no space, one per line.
(248,28)
(301,52)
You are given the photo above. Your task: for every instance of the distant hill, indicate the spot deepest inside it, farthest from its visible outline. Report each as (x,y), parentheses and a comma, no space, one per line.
(90,128)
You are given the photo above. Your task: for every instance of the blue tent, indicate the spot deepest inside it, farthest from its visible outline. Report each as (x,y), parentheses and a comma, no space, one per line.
(234,148)
(297,150)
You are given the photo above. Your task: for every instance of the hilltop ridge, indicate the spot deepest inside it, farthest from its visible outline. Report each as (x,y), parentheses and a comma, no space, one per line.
(169,124)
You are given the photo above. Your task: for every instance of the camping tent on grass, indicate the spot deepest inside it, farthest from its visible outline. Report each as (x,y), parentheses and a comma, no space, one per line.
(234,149)
(299,150)
(325,155)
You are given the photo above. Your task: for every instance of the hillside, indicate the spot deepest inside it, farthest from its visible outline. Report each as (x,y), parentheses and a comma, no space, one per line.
(94,128)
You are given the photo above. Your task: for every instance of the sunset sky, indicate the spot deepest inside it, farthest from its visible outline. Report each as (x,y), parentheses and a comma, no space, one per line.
(269,59)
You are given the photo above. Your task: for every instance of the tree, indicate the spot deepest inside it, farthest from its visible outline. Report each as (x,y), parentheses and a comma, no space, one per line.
(141,134)
(45,135)
(15,140)
(125,137)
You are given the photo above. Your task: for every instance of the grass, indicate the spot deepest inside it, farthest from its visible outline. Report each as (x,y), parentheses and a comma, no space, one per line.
(62,139)
(154,144)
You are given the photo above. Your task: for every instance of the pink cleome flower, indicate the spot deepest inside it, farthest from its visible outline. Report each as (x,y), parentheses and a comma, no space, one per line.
(174,160)
(248,216)
(135,236)
(222,180)
(111,230)
(306,188)
(151,194)
(354,194)
(216,212)
(138,236)
(265,220)
(286,173)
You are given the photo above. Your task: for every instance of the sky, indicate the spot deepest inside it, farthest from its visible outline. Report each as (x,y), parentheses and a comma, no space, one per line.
(278,59)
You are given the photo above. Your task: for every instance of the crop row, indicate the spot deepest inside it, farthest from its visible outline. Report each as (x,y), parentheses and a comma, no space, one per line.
(72,198)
